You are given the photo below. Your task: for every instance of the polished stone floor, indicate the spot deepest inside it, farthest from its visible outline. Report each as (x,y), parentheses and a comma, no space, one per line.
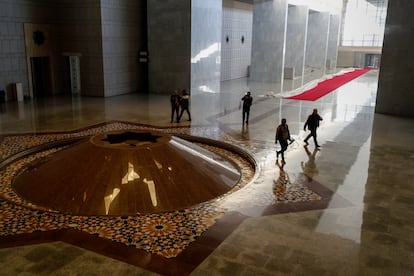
(346,209)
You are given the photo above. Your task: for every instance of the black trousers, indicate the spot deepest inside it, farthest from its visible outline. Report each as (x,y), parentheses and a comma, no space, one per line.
(174,109)
(182,111)
(284,146)
(312,134)
(246,111)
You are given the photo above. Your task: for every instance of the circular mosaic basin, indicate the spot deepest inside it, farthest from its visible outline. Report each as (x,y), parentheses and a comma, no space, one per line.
(125,173)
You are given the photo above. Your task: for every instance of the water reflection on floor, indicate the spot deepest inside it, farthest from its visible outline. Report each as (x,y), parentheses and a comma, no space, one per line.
(364,168)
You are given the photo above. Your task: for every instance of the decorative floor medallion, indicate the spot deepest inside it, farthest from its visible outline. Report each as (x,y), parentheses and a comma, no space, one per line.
(165,233)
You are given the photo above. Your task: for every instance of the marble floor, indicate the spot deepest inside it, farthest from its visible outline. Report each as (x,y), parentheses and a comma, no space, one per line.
(346,209)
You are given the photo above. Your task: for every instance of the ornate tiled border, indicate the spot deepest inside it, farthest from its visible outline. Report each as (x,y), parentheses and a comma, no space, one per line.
(172,243)
(166,234)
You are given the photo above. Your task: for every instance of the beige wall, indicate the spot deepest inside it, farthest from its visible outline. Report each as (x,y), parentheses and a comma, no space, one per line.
(350,56)
(238,5)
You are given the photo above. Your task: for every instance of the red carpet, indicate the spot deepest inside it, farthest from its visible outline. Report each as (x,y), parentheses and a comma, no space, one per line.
(329,85)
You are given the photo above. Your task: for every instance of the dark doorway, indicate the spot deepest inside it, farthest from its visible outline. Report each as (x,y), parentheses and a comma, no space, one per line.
(372,60)
(41,76)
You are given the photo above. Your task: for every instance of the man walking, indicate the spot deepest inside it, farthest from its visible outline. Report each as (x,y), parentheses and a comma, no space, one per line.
(184,103)
(312,123)
(247,102)
(175,105)
(282,135)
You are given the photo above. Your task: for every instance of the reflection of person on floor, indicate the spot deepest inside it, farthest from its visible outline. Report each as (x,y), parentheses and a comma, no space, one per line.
(282,135)
(247,103)
(312,123)
(175,105)
(309,167)
(279,184)
(185,103)
(245,132)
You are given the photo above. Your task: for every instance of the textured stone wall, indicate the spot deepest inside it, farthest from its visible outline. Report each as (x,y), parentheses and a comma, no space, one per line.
(74,28)
(107,36)
(169,45)
(296,39)
(395,86)
(206,20)
(269,28)
(333,42)
(80,32)
(123,36)
(237,26)
(13,15)
(317,42)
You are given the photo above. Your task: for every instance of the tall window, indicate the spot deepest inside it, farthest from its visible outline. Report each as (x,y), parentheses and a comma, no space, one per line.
(363,22)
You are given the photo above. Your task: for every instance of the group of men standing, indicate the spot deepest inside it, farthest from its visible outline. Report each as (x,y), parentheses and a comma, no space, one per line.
(178,101)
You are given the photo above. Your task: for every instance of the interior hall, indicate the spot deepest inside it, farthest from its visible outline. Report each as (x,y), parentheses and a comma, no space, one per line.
(99,174)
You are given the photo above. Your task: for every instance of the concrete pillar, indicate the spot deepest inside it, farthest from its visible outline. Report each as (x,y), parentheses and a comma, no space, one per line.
(123,36)
(295,45)
(169,45)
(333,42)
(206,21)
(395,86)
(316,44)
(236,39)
(268,44)
(184,40)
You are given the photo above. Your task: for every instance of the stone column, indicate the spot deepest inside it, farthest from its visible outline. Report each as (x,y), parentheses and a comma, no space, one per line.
(206,21)
(395,86)
(333,41)
(123,36)
(169,45)
(268,44)
(295,46)
(316,44)
(184,41)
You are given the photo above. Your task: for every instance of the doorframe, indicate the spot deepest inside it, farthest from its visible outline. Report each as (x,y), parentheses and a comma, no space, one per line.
(36,49)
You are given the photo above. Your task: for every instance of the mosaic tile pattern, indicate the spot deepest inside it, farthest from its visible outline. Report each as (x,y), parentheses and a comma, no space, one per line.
(16,219)
(285,191)
(166,234)
(9,172)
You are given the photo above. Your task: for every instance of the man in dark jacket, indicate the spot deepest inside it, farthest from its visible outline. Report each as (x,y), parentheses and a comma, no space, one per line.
(282,136)
(312,123)
(247,102)
(184,103)
(175,105)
